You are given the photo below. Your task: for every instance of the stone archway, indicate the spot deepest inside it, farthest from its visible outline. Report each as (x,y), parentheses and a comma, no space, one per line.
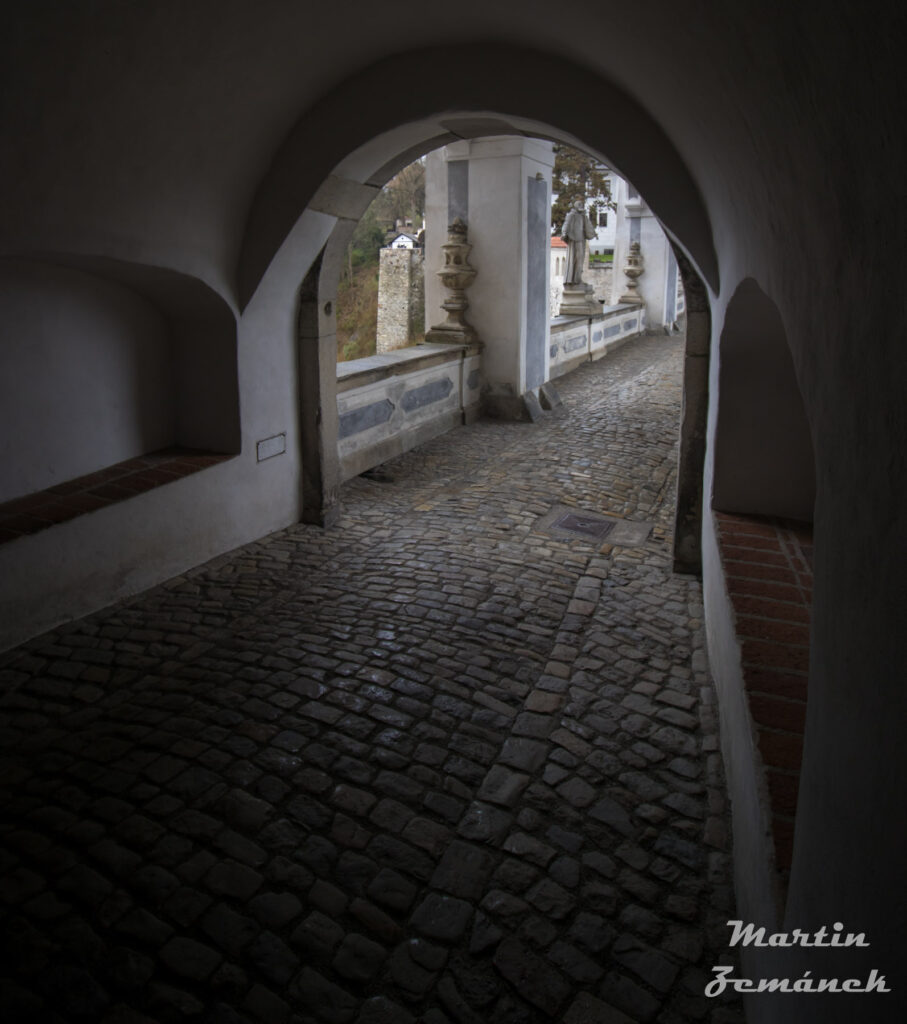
(345,200)
(759,602)
(693,426)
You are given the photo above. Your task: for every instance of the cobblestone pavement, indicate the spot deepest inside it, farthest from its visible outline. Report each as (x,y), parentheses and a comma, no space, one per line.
(434,765)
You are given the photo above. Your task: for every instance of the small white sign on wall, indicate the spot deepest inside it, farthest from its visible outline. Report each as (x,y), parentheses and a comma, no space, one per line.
(272,446)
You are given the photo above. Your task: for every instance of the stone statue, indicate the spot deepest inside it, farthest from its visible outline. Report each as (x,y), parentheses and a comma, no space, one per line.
(577,228)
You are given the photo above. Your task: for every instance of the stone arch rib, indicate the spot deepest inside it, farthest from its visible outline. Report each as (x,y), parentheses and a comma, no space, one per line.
(357,111)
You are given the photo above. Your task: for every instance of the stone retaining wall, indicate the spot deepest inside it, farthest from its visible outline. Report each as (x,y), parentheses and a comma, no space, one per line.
(600,276)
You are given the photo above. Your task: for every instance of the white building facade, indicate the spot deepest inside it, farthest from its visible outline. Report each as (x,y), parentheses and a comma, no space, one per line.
(605,221)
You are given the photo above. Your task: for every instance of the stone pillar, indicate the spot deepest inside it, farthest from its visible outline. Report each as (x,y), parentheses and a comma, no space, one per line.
(399,289)
(318,414)
(656,284)
(501,187)
(693,424)
(317,366)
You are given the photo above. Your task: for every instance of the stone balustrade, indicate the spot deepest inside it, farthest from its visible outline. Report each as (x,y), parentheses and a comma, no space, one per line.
(391,402)
(576,340)
(394,401)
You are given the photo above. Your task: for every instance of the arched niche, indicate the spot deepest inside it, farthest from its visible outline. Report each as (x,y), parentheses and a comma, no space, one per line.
(120,359)
(764,462)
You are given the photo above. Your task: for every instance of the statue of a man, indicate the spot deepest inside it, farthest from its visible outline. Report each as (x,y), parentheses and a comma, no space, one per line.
(577,228)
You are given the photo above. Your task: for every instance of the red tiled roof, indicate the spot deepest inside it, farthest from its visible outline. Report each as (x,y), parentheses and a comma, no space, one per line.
(557,242)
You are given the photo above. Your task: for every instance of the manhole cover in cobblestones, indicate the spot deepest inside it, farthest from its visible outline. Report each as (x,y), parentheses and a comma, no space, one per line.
(593,527)
(587,525)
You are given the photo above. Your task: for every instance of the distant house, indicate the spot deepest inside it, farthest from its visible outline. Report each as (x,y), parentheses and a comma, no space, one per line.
(605,220)
(558,268)
(403,240)
(558,256)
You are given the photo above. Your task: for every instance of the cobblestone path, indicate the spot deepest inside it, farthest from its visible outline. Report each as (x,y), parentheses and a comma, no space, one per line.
(434,765)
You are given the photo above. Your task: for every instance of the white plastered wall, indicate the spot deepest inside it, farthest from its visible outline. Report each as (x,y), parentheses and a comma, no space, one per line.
(117,551)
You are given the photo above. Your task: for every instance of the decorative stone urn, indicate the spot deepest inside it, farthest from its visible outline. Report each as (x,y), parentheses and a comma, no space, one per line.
(633,268)
(456,275)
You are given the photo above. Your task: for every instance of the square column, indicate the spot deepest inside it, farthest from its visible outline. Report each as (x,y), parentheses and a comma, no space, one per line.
(657,285)
(501,187)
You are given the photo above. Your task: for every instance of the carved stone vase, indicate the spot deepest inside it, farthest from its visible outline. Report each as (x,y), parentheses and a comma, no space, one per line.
(456,275)
(634,266)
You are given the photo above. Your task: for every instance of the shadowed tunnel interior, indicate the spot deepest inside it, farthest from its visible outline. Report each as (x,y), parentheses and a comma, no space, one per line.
(170,174)
(449,758)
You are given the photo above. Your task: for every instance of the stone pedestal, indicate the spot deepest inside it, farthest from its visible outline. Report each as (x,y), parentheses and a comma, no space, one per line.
(578,300)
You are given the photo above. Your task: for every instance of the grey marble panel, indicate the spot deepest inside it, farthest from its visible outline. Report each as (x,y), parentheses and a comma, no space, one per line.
(629,325)
(577,341)
(671,305)
(457,190)
(426,394)
(596,337)
(610,332)
(364,418)
(538,243)
(472,381)
(533,406)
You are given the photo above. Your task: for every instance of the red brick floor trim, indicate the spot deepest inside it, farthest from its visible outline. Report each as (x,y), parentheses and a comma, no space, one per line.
(768,568)
(43,509)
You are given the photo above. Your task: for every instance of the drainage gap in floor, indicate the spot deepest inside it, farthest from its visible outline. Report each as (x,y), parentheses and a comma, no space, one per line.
(593,527)
(589,526)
